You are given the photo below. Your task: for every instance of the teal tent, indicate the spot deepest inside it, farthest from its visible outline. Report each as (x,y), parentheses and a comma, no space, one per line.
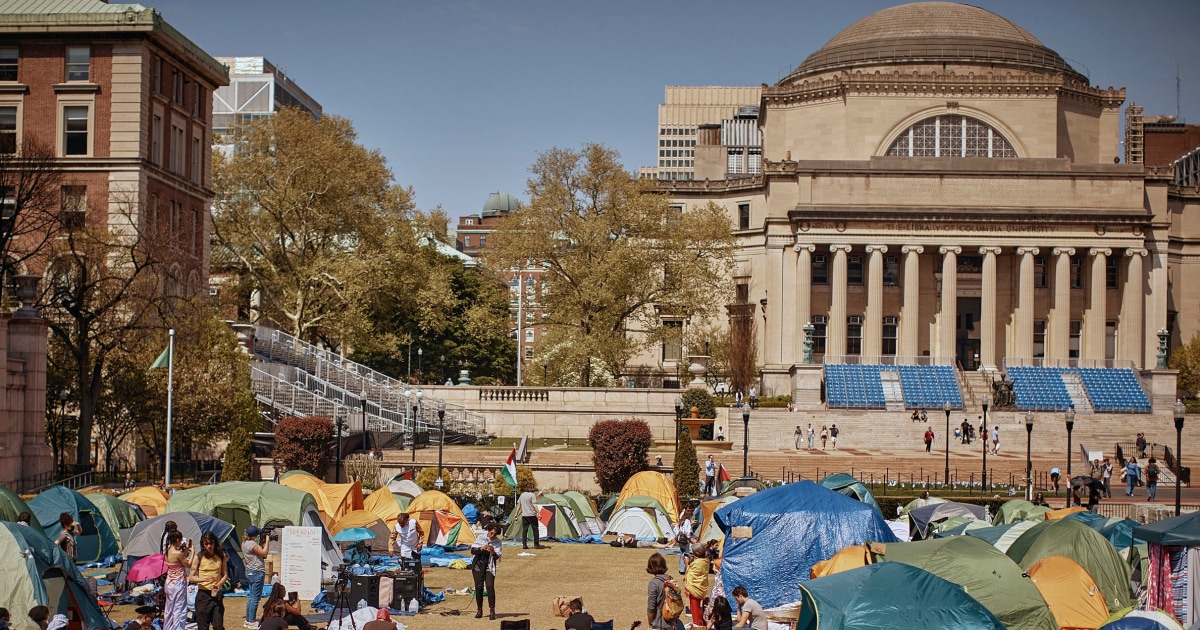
(11,506)
(97,540)
(890,595)
(847,485)
(35,572)
(1180,531)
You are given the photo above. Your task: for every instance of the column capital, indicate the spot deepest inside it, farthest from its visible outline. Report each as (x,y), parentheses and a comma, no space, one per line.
(1023,251)
(1100,251)
(990,249)
(949,249)
(882,249)
(912,248)
(1059,251)
(840,248)
(1136,251)
(799,246)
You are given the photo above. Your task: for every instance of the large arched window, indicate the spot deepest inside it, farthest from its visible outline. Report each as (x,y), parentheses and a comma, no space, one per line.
(951,136)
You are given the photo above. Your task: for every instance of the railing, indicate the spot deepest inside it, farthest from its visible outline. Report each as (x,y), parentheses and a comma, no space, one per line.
(520,394)
(74,482)
(855,359)
(1070,363)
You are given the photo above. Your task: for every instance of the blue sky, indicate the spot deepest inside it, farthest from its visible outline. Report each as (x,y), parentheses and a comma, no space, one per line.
(461,96)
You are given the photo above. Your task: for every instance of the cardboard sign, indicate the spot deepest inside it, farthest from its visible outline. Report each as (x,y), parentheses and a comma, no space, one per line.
(300,560)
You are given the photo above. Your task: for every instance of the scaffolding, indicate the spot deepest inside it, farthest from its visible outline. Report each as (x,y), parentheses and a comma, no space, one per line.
(1134,135)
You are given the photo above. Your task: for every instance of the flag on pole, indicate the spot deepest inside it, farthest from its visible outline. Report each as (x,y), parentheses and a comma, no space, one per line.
(510,469)
(723,476)
(163,359)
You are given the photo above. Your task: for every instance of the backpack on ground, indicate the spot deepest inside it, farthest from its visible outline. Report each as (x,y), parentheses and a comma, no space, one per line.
(672,607)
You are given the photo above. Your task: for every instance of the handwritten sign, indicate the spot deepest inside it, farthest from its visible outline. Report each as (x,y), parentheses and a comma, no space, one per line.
(301,561)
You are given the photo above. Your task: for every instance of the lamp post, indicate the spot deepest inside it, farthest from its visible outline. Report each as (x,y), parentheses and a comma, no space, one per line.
(362,399)
(407,415)
(416,417)
(1180,416)
(420,375)
(946,408)
(1070,427)
(678,419)
(1029,455)
(441,411)
(983,438)
(62,416)
(337,472)
(746,441)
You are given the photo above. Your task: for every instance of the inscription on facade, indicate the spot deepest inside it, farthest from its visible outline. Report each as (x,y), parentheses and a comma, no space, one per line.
(986,228)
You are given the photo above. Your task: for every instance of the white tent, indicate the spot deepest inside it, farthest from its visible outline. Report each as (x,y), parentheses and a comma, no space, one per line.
(642,522)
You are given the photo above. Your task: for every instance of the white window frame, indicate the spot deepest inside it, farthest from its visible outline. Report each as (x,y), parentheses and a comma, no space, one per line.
(17,103)
(64,102)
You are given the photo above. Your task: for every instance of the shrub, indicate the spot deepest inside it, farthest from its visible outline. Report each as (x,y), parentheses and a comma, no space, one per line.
(699,398)
(303,444)
(363,469)
(524,478)
(426,478)
(686,473)
(238,465)
(619,450)
(775,401)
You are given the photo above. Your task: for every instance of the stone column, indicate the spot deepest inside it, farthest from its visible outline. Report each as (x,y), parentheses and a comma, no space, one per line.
(987,315)
(803,295)
(835,330)
(789,331)
(947,348)
(910,312)
(1132,303)
(1059,326)
(1094,316)
(773,351)
(1023,313)
(873,323)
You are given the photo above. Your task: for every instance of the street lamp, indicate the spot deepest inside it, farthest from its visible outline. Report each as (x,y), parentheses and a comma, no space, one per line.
(678,419)
(420,375)
(746,441)
(1070,427)
(441,411)
(62,418)
(337,473)
(983,438)
(1180,416)
(946,408)
(1029,455)
(362,399)
(416,416)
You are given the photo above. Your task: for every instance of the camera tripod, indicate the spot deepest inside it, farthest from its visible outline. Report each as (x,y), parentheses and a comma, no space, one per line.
(341,602)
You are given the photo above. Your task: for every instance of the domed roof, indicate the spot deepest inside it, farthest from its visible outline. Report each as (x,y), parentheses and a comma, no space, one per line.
(924,32)
(499,203)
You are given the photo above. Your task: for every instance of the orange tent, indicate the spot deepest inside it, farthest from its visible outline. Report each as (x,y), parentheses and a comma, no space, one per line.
(1060,513)
(1071,593)
(152,500)
(851,557)
(383,504)
(441,519)
(334,500)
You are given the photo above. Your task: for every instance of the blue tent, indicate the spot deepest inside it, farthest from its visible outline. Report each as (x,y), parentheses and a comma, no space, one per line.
(782,532)
(147,539)
(97,540)
(1118,531)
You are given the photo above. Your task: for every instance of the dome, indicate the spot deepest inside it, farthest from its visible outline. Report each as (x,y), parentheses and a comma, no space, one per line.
(499,203)
(934,32)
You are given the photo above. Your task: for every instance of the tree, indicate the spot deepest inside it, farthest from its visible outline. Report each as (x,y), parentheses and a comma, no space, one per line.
(303,444)
(743,348)
(1186,359)
(686,470)
(31,203)
(525,479)
(613,250)
(619,450)
(239,458)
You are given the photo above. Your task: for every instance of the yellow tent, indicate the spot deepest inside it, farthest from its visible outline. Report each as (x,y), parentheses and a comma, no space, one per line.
(708,529)
(851,557)
(333,500)
(383,504)
(1073,596)
(652,484)
(1060,513)
(441,519)
(152,500)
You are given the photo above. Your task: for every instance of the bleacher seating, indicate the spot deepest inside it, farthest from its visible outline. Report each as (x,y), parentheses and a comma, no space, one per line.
(852,386)
(928,386)
(1114,390)
(1040,388)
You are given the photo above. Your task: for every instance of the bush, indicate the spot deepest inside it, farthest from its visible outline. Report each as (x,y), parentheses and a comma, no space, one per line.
(525,479)
(363,469)
(303,444)
(775,401)
(619,450)
(699,398)
(686,473)
(239,461)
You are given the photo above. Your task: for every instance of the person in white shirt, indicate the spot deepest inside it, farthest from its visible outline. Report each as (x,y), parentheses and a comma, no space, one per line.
(710,474)
(409,535)
(683,536)
(812,435)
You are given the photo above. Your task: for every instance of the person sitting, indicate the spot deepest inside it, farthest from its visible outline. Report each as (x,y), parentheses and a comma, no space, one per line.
(486,520)
(145,618)
(39,618)
(720,434)
(358,553)
(383,621)
(291,608)
(1040,500)
(273,618)
(578,619)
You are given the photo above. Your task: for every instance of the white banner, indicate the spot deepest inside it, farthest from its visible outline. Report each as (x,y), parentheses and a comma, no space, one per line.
(300,561)
(1086,457)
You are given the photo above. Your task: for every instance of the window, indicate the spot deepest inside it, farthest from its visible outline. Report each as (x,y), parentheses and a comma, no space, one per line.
(741,293)
(735,161)
(197,99)
(891,271)
(156,129)
(819,328)
(8,129)
(672,347)
(674,217)
(8,64)
(1076,272)
(854,272)
(951,136)
(197,160)
(854,335)
(75,130)
(8,203)
(194,233)
(1110,340)
(483,240)
(176,86)
(158,75)
(529,335)
(1076,333)
(1039,273)
(820,270)
(74,206)
(743,216)
(469,222)
(1112,267)
(79,60)
(1039,338)
(890,334)
(528,352)
(177,149)
(467,240)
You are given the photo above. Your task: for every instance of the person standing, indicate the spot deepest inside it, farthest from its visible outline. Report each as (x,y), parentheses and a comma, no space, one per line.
(710,475)
(209,572)
(833,435)
(928,439)
(1131,476)
(409,535)
(799,436)
(178,558)
(966,431)
(824,436)
(811,436)
(750,612)
(1106,471)
(656,594)
(254,554)
(697,584)
(487,549)
(1152,478)
(66,537)
(529,509)
(996,440)
(1141,444)
(683,537)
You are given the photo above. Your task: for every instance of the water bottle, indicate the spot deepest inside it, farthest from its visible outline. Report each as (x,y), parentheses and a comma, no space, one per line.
(413,605)
(362,603)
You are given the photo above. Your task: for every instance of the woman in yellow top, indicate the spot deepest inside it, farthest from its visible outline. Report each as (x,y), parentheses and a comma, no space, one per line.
(697,584)
(209,572)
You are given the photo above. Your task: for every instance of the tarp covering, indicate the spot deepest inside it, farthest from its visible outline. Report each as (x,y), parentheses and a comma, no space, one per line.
(1019,510)
(98,539)
(985,572)
(1179,531)
(11,506)
(887,596)
(441,531)
(152,500)
(35,572)
(1070,538)
(147,539)
(774,537)
(847,485)
(654,485)
(920,518)
(1072,594)
(119,514)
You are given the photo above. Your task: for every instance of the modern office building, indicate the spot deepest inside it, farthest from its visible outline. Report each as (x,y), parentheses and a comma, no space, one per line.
(683,111)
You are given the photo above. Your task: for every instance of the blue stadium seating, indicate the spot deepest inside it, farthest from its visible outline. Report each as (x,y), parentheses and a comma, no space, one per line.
(928,386)
(1114,390)
(1040,388)
(853,386)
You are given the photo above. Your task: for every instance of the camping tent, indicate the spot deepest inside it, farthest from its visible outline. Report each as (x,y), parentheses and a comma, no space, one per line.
(121,516)
(152,500)
(916,503)
(851,557)
(11,506)
(441,519)
(146,539)
(958,526)
(366,520)
(847,485)
(1019,510)
(1001,536)
(555,522)
(1118,531)
(889,595)
(35,572)
(920,518)
(334,500)
(98,540)
(1130,619)
(1073,596)
(642,516)
(654,485)
(407,487)
(984,572)
(1179,531)
(586,510)
(774,537)
(383,504)
(1183,532)
(1070,538)
(1063,512)
(708,529)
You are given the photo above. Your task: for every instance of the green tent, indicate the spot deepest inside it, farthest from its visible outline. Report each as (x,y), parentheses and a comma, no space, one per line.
(890,595)
(402,500)
(984,572)
(1019,510)
(97,541)
(35,572)
(292,473)
(11,506)
(1002,536)
(956,526)
(574,510)
(1118,531)
(119,514)
(589,512)
(1070,538)
(847,485)
(916,503)
(553,522)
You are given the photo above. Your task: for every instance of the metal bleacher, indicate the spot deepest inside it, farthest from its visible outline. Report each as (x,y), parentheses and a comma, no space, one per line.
(1107,389)
(860,386)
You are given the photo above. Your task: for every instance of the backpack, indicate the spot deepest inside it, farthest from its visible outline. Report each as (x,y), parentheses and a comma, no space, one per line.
(672,606)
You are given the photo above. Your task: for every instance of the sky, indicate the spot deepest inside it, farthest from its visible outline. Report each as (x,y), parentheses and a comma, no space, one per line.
(461,96)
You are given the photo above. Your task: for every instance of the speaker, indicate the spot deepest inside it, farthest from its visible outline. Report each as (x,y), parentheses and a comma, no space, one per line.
(410,564)
(405,586)
(364,587)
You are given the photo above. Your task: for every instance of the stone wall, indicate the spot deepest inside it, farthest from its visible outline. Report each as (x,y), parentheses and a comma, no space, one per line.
(24,454)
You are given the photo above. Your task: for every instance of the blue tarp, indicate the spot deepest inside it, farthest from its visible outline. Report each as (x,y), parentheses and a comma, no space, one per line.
(791,528)
(471,512)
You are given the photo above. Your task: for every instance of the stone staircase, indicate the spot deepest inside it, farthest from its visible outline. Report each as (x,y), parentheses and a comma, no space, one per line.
(893,392)
(977,384)
(1078,393)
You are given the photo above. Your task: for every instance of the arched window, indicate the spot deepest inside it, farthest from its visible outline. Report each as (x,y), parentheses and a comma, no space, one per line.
(951,136)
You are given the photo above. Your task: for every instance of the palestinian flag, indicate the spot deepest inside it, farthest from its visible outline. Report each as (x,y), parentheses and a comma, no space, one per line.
(509,472)
(723,475)
(445,529)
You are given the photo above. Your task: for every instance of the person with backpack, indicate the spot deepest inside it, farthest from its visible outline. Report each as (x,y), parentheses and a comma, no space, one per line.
(664,600)
(697,583)
(1152,478)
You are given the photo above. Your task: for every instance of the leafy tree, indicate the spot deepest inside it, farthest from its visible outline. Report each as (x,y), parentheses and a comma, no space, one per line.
(619,450)
(362,468)
(686,471)
(303,444)
(1186,359)
(699,398)
(239,458)
(743,348)
(612,250)
(525,478)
